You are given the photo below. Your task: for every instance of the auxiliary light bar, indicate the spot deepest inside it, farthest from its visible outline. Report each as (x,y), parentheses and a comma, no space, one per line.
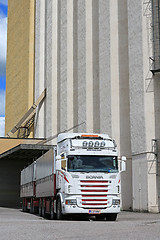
(91,144)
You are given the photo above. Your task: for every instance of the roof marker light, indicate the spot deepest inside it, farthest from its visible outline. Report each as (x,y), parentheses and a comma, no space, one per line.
(89,136)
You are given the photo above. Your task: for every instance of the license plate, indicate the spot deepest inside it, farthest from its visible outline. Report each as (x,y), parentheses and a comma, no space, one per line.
(94,211)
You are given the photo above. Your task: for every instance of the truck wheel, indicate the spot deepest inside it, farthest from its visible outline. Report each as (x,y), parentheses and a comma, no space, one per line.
(31,207)
(23,206)
(59,210)
(52,214)
(40,209)
(111,216)
(43,209)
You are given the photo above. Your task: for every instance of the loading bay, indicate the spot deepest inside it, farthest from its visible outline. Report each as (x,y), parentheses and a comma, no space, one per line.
(17,225)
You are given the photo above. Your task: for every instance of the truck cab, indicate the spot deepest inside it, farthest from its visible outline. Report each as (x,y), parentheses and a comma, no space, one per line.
(88,175)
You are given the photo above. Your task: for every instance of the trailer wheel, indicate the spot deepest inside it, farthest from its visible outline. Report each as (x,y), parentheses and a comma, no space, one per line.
(59,210)
(31,207)
(111,216)
(24,208)
(52,214)
(40,209)
(43,209)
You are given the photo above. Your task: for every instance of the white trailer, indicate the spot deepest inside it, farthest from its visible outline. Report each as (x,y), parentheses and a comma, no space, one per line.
(27,188)
(79,176)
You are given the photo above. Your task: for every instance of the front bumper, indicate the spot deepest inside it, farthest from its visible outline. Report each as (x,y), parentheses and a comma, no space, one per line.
(74,209)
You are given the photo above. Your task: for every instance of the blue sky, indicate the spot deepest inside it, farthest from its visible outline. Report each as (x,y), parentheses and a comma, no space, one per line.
(3,49)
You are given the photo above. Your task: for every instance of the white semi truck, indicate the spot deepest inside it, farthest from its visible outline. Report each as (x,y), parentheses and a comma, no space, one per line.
(79,176)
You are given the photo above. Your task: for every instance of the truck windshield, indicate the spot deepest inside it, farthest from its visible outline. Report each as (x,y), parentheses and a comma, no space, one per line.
(92,164)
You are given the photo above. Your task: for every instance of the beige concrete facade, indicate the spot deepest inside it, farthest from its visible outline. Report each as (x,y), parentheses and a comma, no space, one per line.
(20,61)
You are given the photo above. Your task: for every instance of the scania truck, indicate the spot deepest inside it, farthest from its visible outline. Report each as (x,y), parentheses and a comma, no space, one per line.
(79,176)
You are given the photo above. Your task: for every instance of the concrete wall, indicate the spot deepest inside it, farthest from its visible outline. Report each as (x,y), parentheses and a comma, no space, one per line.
(20,61)
(124,100)
(76,59)
(143,111)
(39,64)
(137,105)
(156,165)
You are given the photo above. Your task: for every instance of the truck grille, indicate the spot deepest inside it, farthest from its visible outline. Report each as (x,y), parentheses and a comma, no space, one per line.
(94,193)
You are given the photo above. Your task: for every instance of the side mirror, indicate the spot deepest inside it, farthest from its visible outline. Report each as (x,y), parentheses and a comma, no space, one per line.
(58,164)
(123,164)
(58,157)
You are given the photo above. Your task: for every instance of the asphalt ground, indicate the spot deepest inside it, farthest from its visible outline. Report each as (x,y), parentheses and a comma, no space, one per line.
(17,225)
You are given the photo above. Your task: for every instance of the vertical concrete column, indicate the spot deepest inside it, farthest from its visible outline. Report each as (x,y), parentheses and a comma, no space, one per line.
(81,15)
(157,105)
(58,66)
(89,67)
(114,63)
(124,103)
(156,32)
(155,190)
(54,64)
(51,68)
(95,43)
(137,106)
(48,69)
(31,54)
(62,85)
(70,103)
(39,64)
(150,113)
(75,65)
(105,67)
(148,95)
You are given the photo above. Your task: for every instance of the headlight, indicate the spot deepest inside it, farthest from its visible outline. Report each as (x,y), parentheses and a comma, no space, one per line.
(116,202)
(71,202)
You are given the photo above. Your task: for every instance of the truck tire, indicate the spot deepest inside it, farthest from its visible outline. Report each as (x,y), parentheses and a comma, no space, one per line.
(111,216)
(24,208)
(59,210)
(40,209)
(32,207)
(52,214)
(43,209)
